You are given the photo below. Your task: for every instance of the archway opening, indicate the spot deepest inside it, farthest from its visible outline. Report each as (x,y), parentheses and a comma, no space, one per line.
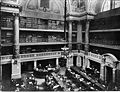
(109,66)
(109,75)
(27,66)
(74,60)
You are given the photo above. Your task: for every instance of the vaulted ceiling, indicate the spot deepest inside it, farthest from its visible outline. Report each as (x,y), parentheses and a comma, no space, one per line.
(55,8)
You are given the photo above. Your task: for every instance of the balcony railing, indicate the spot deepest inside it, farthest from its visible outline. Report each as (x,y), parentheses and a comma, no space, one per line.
(43,55)
(40,55)
(105,42)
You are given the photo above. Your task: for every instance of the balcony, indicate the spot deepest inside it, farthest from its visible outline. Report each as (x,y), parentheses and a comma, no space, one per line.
(32,56)
(43,43)
(106,43)
(48,55)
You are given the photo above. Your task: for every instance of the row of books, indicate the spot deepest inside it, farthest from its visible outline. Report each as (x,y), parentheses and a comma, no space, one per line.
(36,50)
(7,22)
(103,41)
(37,23)
(6,37)
(40,23)
(40,38)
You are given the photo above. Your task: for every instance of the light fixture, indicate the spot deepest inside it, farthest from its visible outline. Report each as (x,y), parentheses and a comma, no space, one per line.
(66,53)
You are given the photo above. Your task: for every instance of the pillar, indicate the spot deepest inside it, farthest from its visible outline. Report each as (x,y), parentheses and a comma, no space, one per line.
(79,36)
(105,74)
(57,62)
(85,62)
(16,66)
(0,54)
(79,60)
(16,36)
(70,62)
(70,36)
(16,70)
(86,43)
(102,72)
(88,63)
(69,59)
(35,64)
(87,37)
(114,70)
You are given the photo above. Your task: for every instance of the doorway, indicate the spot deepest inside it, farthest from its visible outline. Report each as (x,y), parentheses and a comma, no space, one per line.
(6,71)
(108,75)
(74,60)
(27,66)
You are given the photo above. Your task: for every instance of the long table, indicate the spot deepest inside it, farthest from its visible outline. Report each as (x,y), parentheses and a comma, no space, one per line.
(59,81)
(76,69)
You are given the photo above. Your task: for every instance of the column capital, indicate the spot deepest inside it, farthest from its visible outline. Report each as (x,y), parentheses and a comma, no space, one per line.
(16,14)
(114,69)
(70,21)
(102,65)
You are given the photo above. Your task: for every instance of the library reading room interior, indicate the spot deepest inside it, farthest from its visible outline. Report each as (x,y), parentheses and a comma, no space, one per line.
(60,45)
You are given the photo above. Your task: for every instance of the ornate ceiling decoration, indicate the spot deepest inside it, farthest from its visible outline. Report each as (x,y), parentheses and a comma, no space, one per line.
(56,7)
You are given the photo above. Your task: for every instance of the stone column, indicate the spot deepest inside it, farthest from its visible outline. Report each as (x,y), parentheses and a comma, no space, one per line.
(16,62)
(0,55)
(78,60)
(87,37)
(70,62)
(88,63)
(57,62)
(69,59)
(16,36)
(79,36)
(79,41)
(70,36)
(114,69)
(16,70)
(35,64)
(86,42)
(105,74)
(84,60)
(102,72)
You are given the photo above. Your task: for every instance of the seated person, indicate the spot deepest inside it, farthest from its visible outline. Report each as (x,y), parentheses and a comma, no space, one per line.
(39,66)
(49,66)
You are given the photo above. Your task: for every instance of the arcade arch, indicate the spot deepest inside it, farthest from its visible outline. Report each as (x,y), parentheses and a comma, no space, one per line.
(109,67)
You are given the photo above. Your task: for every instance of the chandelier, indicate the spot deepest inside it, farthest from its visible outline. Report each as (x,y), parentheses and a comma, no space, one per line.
(66,53)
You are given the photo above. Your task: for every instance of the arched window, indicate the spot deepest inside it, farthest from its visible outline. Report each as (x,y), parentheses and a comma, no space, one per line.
(110,4)
(44,3)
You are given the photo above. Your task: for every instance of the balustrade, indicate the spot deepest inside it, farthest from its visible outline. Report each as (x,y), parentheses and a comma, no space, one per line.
(105,42)
(50,54)
(32,55)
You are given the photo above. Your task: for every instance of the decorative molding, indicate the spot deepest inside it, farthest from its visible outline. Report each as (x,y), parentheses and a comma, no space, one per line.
(35,10)
(10,1)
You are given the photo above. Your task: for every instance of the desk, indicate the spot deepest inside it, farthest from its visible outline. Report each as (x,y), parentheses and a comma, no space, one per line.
(59,81)
(76,69)
(80,83)
(40,74)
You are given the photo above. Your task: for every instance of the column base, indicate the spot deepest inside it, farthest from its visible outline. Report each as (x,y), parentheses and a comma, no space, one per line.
(15,76)
(70,62)
(16,70)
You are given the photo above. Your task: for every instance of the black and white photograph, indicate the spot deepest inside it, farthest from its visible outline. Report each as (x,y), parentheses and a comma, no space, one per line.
(59,45)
